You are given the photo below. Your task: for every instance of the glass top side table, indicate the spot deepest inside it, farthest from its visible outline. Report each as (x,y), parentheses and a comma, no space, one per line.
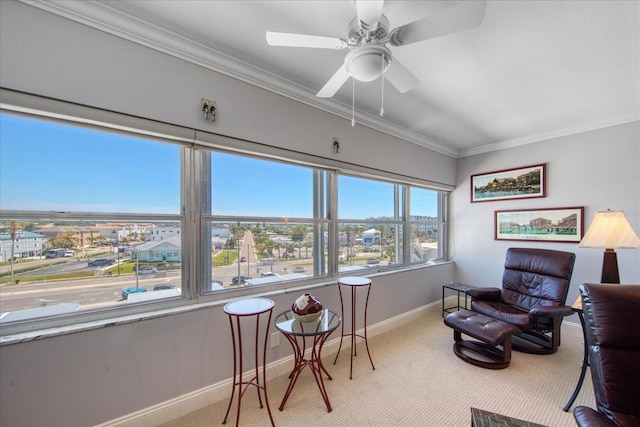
(298,334)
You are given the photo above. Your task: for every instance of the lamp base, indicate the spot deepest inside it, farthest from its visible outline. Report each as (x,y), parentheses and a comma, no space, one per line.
(610,267)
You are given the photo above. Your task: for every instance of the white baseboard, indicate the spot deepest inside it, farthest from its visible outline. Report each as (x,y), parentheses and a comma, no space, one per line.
(198,399)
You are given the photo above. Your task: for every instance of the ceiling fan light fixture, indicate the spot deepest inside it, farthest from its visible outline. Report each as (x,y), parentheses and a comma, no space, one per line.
(367,63)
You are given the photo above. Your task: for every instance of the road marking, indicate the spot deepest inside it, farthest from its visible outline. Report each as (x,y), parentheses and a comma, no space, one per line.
(92,294)
(65,288)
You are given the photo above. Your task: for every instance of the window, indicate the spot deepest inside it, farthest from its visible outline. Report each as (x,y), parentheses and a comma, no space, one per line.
(83,191)
(107,209)
(427,225)
(370,223)
(373,223)
(262,216)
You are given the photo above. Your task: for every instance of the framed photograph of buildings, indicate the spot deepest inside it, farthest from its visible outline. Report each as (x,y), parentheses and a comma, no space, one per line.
(519,183)
(549,225)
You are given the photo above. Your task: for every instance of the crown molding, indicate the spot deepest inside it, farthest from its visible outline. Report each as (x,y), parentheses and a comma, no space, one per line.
(104,18)
(584,127)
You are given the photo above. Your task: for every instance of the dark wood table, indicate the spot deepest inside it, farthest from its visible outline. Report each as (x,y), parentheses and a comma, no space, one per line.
(577,307)
(480,418)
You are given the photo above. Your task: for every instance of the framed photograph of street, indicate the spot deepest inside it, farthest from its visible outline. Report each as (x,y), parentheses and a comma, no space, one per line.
(548,225)
(520,183)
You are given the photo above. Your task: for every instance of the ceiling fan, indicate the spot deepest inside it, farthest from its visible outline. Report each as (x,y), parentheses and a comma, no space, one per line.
(368,34)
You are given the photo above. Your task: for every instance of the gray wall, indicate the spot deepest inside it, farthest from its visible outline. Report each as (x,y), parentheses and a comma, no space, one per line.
(90,377)
(52,56)
(94,376)
(599,170)
(97,375)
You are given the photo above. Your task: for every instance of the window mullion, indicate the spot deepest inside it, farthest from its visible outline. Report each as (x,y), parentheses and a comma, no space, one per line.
(443,220)
(319,195)
(191,237)
(406,227)
(334,233)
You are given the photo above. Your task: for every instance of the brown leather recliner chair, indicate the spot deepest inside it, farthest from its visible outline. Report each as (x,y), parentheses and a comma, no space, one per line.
(612,317)
(535,283)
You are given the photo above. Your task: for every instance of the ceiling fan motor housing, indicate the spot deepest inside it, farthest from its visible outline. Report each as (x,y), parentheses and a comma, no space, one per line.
(361,33)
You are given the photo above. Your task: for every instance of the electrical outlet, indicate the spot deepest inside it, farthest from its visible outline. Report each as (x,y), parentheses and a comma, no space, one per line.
(275,339)
(208,107)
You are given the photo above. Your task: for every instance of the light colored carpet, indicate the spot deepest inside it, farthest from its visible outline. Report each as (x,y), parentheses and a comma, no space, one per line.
(418,381)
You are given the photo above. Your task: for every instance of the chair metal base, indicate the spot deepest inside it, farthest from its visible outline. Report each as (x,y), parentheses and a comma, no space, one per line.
(534,343)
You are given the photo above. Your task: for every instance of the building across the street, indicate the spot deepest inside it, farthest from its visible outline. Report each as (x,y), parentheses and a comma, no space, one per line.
(27,244)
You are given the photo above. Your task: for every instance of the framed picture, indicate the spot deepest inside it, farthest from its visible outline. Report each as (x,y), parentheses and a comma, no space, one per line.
(549,225)
(519,183)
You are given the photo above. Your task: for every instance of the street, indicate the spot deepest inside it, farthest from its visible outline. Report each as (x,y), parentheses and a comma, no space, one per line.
(105,287)
(89,292)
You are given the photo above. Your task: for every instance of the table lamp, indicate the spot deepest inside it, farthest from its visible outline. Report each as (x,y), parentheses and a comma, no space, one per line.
(610,230)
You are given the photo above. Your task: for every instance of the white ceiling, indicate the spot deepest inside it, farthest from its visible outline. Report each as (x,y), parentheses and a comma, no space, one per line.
(532,70)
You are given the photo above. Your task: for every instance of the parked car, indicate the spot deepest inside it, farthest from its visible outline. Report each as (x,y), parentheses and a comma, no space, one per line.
(164,286)
(101,262)
(299,269)
(148,270)
(126,292)
(239,280)
(54,253)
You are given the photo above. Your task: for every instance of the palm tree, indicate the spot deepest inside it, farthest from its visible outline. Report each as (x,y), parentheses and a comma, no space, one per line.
(307,245)
(14,226)
(271,245)
(383,240)
(298,234)
(278,248)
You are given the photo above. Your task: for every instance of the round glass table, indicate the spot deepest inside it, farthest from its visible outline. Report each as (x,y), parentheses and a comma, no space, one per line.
(300,334)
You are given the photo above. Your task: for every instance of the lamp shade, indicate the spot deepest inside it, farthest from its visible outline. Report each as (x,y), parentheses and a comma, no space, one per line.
(610,229)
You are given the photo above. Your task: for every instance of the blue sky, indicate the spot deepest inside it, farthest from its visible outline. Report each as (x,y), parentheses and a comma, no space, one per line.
(50,166)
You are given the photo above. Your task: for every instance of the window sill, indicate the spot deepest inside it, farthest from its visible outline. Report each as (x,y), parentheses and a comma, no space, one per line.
(22,337)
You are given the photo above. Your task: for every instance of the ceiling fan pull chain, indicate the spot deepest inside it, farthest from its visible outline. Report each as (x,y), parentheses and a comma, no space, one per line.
(382,78)
(353,103)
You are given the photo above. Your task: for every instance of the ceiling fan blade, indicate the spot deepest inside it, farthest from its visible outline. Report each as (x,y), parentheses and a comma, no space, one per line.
(468,15)
(334,84)
(369,13)
(303,40)
(401,78)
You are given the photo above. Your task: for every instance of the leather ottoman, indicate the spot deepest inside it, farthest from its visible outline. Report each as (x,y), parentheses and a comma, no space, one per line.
(493,350)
